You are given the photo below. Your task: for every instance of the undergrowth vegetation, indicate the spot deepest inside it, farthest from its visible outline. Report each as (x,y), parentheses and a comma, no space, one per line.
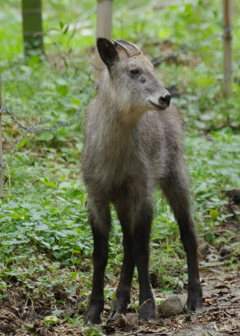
(45,239)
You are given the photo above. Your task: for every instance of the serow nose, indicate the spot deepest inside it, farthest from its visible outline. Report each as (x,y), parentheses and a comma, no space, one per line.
(165,99)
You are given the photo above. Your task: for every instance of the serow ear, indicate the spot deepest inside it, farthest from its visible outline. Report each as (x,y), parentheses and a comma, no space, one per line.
(107,51)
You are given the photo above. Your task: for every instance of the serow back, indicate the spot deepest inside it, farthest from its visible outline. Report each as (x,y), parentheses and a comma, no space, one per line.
(133,143)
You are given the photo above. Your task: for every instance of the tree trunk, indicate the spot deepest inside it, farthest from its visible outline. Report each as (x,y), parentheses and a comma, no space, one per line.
(104,29)
(32,27)
(227,46)
(1,153)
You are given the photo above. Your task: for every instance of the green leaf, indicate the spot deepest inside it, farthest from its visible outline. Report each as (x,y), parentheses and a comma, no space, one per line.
(51,320)
(214,213)
(65,185)
(75,102)
(34,60)
(61,82)
(28,326)
(47,182)
(205,81)
(92,331)
(50,184)
(42,227)
(22,143)
(62,89)
(61,137)
(65,30)
(77,193)
(45,136)
(57,312)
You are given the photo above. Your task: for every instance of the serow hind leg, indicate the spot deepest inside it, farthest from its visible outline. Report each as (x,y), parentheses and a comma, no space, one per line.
(176,191)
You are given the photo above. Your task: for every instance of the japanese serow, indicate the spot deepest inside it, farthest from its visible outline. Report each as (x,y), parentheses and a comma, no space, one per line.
(133,143)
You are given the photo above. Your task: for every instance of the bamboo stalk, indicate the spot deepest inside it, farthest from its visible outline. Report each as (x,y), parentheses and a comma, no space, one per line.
(104,29)
(32,26)
(1,152)
(227,46)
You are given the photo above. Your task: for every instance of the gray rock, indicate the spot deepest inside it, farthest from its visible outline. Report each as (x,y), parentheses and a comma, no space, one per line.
(172,306)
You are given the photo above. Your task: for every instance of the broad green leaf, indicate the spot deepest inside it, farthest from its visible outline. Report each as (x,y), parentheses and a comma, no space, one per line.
(62,89)
(34,60)
(205,81)
(50,184)
(77,193)
(45,136)
(75,102)
(61,137)
(22,143)
(62,82)
(65,185)
(214,213)
(50,320)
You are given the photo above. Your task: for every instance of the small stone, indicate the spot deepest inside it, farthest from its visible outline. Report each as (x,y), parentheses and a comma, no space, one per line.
(171,306)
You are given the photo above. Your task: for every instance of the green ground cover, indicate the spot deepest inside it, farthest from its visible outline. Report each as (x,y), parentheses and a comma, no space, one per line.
(45,239)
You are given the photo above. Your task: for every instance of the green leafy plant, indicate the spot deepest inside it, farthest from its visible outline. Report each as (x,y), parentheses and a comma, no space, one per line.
(45,238)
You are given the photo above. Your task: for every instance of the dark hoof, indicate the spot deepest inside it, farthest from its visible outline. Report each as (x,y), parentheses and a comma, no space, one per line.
(120,308)
(147,311)
(113,316)
(194,300)
(92,316)
(194,304)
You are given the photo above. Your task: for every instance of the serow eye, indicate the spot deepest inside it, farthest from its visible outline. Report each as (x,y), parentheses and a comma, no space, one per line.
(135,72)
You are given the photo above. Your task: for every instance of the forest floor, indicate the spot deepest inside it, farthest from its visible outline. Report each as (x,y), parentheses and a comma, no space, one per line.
(45,238)
(21,315)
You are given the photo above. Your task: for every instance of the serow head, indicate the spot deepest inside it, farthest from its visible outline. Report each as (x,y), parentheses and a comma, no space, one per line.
(132,76)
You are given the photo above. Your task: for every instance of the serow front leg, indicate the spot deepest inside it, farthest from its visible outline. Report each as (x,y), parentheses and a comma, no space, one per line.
(100,222)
